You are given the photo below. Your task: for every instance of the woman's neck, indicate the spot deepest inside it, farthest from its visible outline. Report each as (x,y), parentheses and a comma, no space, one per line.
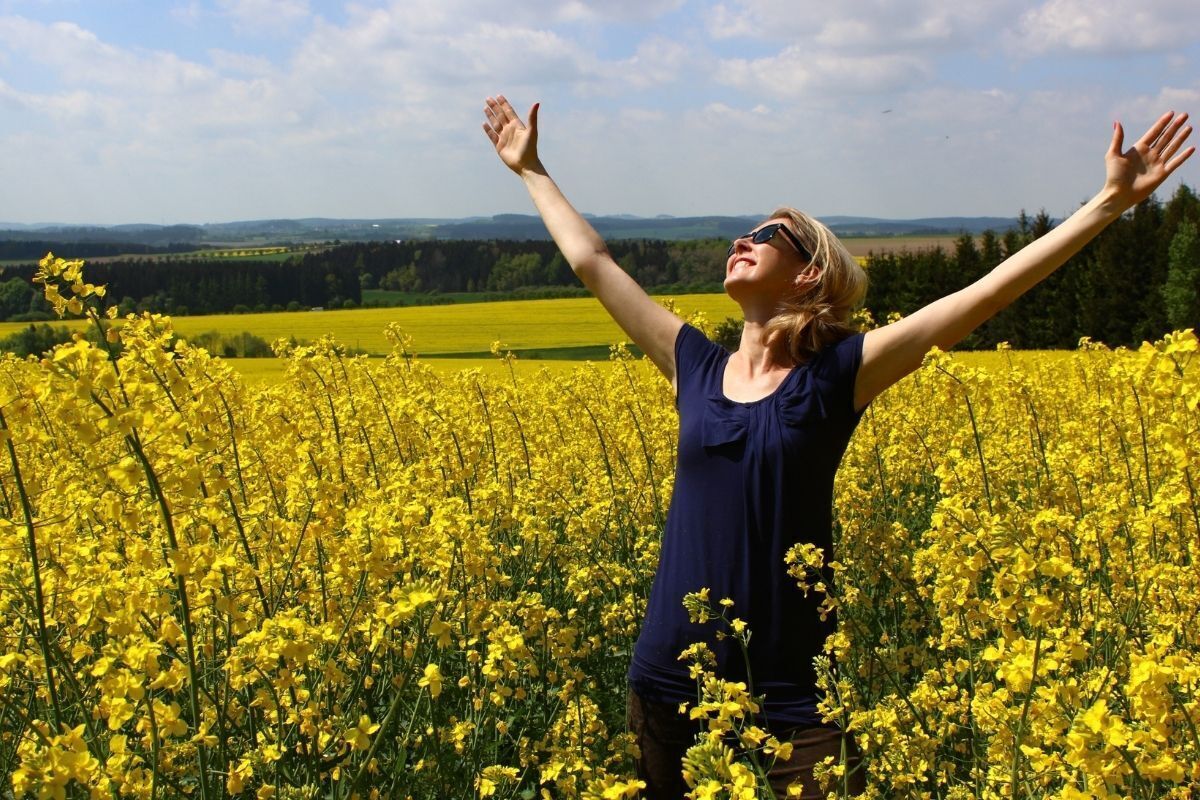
(757,355)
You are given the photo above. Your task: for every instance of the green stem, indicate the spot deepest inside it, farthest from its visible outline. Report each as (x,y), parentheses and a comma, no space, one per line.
(39,595)
(184,605)
(1020,732)
(154,745)
(381,734)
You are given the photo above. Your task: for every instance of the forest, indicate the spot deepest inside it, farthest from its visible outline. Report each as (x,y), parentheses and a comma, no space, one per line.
(1134,282)
(1138,279)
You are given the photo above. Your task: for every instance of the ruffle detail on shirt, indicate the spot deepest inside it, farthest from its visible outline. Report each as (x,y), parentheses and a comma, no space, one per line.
(807,403)
(726,421)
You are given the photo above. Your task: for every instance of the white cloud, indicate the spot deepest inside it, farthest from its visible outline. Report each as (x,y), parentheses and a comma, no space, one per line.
(631,10)
(436,55)
(881,25)
(1111,27)
(65,108)
(226,61)
(795,71)
(726,22)
(148,104)
(448,15)
(188,13)
(403,78)
(1137,113)
(657,62)
(81,58)
(515,53)
(265,16)
(858,46)
(373,108)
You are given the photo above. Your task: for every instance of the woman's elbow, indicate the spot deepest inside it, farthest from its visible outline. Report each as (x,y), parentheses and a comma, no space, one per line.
(589,262)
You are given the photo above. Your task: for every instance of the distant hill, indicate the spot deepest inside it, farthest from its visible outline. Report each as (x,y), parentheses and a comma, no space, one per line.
(501,226)
(870,226)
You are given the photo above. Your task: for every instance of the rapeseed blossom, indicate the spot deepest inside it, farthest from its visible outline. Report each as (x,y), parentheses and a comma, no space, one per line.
(371,580)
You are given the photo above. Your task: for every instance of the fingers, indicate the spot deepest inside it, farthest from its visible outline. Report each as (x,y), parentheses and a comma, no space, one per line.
(1167,137)
(1118,140)
(1170,137)
(500,114)
(1150,136)
(1179,159)
(1171,154)
(494,114)
(1176,140)
(502,109)
(1162,144)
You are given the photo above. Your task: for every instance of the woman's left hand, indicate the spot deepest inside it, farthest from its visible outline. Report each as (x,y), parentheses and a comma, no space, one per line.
(516,142)
(1133,175)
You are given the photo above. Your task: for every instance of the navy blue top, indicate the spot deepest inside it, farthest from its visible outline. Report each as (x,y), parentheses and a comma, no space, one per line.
(752,479)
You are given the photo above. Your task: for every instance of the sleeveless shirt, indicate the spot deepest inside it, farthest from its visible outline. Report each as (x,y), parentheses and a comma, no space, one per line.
(752,479)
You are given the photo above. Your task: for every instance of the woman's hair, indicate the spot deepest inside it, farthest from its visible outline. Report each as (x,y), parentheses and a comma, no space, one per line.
(819,314)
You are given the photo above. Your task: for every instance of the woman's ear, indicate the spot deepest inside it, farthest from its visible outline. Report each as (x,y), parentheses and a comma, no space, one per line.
(808,277)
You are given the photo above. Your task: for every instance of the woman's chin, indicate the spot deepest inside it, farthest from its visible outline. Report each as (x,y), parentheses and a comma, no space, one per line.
(738,287)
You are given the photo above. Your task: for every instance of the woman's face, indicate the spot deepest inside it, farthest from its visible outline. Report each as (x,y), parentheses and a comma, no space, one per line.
(768,270)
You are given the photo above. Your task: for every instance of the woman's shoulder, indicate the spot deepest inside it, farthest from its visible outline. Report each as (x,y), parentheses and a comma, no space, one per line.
(840,356)
(691,342)
(828,377)
(696,356)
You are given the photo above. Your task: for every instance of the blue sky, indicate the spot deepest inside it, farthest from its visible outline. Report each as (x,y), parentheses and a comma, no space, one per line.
(171,111)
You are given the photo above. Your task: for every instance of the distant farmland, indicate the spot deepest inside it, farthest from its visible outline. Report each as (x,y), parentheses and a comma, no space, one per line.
(467,328)
(861,246)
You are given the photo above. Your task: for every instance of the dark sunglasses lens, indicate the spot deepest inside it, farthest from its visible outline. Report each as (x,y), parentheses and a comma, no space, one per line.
(760,236)
(764,235)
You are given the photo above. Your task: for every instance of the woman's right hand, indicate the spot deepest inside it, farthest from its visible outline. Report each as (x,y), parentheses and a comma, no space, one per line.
(1132,175)
(516,143)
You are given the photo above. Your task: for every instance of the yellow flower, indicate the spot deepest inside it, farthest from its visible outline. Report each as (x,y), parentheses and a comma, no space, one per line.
(432,680)
(359,737)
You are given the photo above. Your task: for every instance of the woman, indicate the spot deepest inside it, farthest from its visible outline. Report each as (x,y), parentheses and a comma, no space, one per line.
(762,430)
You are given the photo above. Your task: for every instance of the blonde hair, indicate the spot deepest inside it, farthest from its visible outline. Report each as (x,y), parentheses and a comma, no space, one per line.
(819,314)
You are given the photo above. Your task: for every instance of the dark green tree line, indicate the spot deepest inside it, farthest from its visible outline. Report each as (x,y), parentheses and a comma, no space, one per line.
(1134,282)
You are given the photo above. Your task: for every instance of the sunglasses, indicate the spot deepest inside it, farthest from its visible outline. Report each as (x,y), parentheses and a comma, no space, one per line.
(766,233)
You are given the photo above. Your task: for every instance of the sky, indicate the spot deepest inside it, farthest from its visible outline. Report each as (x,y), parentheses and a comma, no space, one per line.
(195,111)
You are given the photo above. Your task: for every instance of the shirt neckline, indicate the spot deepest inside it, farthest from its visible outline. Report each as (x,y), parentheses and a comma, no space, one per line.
(748,403)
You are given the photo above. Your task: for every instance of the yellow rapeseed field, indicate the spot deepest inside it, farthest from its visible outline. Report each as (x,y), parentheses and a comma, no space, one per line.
(372,579)
(455,328)
(260,372)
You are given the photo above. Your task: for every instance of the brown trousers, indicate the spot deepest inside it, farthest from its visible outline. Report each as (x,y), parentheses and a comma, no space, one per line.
(663,735)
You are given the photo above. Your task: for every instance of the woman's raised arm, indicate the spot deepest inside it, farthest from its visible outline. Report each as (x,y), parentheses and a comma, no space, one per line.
(650,326)
(893,351)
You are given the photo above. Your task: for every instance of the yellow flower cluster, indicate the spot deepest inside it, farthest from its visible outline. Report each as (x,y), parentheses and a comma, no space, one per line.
(367,580)
(372,581)
(1016,581)
(54,273)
